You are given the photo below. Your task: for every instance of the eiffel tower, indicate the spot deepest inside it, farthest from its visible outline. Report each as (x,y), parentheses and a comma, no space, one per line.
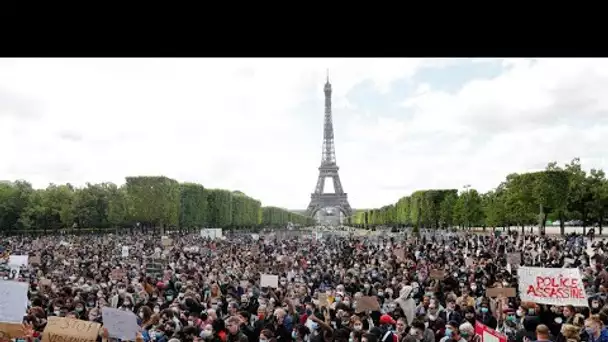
(328,169)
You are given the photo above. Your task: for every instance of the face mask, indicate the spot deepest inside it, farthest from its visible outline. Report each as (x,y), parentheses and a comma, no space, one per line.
(190,323)
(156,310)
(484,310)
(473,287)
(448,332)
(79,309)
(519,313)
(590,331)
(294,334)
(121,291)
(358,327)
(57,313)
(511,318)
(169,298)
(313,326)
(595,305)
(141,315)
(531,312)
(380,294)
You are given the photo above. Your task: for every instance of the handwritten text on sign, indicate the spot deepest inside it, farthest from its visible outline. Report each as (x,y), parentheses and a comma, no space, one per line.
(60,329)
(553,286)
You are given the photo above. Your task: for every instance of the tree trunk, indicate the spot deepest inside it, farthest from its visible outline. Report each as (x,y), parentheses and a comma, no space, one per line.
(562,229)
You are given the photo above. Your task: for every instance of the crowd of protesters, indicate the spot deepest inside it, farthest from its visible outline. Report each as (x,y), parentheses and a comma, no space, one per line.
(402,288)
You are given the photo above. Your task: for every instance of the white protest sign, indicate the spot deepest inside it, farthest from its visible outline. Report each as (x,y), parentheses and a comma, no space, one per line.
(255,237)
(269,280)
(125,251)
(13,301)
(17,260)
(120,324)
(552,286)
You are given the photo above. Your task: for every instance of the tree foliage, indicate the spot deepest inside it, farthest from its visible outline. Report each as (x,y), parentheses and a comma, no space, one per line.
(561,194)
(153,202)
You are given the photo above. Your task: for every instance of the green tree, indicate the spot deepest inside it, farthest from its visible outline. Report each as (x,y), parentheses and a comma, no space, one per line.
(194,209)
(120,206)
(599,196)
(155,200)
(446,209)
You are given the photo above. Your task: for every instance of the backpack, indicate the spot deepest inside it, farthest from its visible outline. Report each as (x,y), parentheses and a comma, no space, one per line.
(385,337)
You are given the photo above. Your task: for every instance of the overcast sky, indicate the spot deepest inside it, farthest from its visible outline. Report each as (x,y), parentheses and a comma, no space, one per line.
(256,125)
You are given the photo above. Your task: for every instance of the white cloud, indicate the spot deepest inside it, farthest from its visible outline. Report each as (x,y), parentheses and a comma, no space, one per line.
(534,113)
(244,124)
(222,122)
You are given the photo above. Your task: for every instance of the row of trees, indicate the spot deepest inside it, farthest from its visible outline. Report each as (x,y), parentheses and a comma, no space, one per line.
(561,194)
(148,202)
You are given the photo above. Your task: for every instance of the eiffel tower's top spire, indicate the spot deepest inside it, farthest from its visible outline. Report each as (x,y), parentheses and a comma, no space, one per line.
(327,84)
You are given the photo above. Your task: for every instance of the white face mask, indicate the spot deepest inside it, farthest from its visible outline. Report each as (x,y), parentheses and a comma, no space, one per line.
(141,315)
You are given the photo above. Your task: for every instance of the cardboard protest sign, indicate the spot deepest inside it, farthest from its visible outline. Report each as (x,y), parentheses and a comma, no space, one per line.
(9,331)
(399,253)
(13,301)
(514,259)
(323,302)
(552,286)
(469,262)
(34,260)
(167,242)
(488,334)
(367,303)
(125,251)
(508,292)
(61,329)
(120,324)
(437,274)
(269,280)
(118,274)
